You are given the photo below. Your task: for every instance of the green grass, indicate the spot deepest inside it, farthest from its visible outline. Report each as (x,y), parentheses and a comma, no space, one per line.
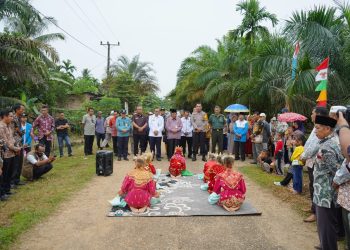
(35,201)
(265,180)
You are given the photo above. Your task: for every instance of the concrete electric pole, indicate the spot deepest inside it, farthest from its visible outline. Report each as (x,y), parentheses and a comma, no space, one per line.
(109,53)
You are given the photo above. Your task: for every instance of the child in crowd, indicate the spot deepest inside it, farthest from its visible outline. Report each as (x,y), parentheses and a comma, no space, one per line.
(209,164)
(288,145)
(265,161)
(212,172)
(149,165)
(177,163)
(230,186)
(138,187)
(278,154)
(297,164)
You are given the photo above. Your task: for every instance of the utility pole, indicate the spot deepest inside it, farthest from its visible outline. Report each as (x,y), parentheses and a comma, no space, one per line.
(108,44)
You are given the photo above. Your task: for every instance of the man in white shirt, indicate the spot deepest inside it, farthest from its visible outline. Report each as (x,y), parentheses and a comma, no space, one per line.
(37,163)
(186,133)
(156,127)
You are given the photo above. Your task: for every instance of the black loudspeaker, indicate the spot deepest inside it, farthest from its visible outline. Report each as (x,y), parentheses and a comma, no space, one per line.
(104,162)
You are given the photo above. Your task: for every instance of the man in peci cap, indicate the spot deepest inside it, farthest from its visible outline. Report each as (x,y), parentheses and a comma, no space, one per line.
(328,160)
(173,126)
(156,127)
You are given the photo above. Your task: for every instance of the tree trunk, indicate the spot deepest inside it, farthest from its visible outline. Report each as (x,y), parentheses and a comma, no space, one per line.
(250,70)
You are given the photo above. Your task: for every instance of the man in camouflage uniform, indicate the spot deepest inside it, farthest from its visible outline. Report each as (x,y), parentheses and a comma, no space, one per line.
(328,160)
(217,123)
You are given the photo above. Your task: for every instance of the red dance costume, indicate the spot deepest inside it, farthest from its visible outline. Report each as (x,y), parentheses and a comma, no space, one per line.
(231,187)
(211,174)
(208,165)
(150,167)
(177,163)
(139,188)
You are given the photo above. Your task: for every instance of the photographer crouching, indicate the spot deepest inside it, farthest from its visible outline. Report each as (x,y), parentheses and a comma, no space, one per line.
(37,163)
(341,180)
(9,151)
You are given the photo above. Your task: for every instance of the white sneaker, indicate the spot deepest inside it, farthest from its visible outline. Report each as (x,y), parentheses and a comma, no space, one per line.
(277,183)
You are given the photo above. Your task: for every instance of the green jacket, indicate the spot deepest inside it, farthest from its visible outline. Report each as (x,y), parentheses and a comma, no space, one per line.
(217,121)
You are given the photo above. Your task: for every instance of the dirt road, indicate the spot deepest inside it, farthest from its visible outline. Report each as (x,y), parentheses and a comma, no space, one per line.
(81,223)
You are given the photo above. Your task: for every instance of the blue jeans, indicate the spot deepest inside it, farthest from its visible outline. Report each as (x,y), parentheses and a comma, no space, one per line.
(298,178)
(65,138)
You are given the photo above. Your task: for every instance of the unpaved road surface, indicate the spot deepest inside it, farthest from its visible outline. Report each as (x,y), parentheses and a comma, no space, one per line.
(81,223)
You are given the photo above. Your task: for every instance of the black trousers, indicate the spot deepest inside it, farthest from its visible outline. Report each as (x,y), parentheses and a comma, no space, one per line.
(139,142)
(287,179)
(327,227)
(310,172)
(340,224)
(346,222)
(7,170)
(123,146)
(217,138)
(115,145)
(99,137)
(172,143)
(186,140)
(279,162)
(17,168)
(199,142)
(240,150)
(88,143)
(47,145)
(40,171)
(155,145)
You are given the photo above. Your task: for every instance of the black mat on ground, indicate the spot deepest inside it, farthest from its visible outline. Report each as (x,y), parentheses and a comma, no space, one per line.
(183,197)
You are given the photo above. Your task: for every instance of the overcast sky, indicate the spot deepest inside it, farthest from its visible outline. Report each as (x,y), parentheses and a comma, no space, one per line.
(163,32)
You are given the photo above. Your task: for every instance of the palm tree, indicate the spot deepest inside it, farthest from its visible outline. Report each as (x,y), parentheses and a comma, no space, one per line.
(142,73)
(322,33)
(21,58)
(251,28)
(68,68)
(15,7)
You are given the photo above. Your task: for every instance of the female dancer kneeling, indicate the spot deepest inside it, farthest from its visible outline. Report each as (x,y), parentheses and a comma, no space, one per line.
(230,186)
(138,187)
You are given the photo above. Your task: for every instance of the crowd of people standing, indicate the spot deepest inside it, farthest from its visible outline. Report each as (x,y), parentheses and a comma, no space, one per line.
(26,149)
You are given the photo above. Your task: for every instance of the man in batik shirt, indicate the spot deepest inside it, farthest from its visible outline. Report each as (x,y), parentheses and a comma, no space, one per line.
(311,148)
(328,160)
(45,125)
(16,126)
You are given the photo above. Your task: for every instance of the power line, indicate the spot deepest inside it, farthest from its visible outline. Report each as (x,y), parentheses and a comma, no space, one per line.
(71,36)
(88,18)
(104,19)
(77,15)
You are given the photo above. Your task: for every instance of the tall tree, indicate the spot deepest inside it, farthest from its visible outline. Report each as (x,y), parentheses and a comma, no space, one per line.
(142,73)
(251,27)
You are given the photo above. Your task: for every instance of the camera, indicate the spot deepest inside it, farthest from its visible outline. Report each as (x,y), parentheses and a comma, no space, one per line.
(346,113)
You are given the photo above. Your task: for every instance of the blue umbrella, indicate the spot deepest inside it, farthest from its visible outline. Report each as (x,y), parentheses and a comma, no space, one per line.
(237,108)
